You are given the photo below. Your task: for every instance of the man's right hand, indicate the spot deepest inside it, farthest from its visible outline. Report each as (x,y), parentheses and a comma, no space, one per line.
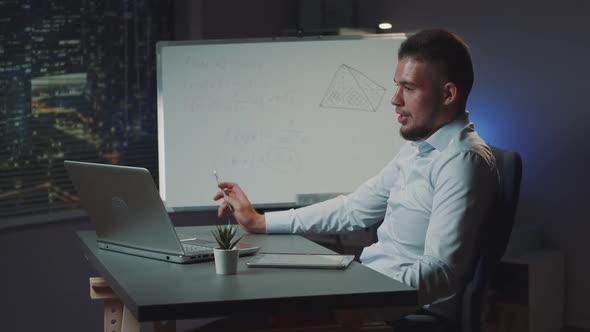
(237,204)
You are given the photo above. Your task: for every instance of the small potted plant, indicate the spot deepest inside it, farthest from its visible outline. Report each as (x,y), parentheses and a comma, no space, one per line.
(226,256)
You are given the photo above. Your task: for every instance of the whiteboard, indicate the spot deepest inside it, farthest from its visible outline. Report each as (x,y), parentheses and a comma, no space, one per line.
(279,117)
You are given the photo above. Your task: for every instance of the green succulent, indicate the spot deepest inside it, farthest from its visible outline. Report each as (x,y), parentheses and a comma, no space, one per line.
(224,235)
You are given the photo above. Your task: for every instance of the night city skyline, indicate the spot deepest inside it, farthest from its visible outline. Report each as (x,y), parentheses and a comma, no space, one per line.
(78,82)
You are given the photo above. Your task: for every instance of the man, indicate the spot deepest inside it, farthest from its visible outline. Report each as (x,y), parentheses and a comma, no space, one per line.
(433,197)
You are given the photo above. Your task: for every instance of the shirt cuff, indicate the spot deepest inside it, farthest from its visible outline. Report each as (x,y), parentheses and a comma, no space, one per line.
(278,221)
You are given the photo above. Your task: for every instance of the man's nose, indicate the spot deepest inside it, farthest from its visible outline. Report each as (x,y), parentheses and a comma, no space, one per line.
(397,100)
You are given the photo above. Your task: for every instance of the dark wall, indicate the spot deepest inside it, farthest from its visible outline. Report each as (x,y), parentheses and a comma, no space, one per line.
(234,18)
(258,18)
(44,280)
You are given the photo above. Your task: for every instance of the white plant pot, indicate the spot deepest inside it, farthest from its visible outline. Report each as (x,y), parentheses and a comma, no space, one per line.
(226,261)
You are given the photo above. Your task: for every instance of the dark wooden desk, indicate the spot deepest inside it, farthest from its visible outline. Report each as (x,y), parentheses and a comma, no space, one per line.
(154,290)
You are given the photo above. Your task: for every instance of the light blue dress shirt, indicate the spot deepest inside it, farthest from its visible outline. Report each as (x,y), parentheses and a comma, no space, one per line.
(433,198)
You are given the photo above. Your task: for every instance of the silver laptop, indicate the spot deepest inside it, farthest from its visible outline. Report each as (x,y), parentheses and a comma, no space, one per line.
(130,217)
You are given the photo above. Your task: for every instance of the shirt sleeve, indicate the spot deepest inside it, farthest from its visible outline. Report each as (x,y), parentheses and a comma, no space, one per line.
(360,209)
(465,190)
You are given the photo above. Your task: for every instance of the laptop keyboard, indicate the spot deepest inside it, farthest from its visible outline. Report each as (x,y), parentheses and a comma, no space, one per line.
(188,248)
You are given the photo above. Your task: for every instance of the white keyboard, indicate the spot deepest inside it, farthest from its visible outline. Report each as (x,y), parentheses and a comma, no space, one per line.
(188,248)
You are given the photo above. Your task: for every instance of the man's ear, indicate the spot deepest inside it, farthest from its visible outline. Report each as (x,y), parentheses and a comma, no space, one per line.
(450,92)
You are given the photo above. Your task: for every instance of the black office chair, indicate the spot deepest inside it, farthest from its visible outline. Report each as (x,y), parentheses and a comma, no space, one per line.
(494,240)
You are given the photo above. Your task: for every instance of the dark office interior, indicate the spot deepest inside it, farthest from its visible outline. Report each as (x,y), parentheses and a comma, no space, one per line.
(530,95)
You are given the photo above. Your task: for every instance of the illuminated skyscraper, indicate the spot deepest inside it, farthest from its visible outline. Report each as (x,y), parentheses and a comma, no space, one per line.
(15,101)
(77,81)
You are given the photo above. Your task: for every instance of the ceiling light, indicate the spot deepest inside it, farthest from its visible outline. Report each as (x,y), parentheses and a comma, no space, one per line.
(384,26)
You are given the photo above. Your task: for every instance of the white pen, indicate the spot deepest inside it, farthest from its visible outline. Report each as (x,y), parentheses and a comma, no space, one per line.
(223,191)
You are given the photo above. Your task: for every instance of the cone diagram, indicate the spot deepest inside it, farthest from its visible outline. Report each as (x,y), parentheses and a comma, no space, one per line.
(351,89)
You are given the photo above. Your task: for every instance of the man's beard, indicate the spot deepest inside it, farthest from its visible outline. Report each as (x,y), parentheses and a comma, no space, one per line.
(414,134)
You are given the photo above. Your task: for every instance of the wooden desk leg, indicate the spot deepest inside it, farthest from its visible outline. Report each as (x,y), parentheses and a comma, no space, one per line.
(117,318)
(113,315)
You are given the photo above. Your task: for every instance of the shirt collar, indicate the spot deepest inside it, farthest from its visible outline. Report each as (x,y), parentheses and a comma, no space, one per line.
(445,135)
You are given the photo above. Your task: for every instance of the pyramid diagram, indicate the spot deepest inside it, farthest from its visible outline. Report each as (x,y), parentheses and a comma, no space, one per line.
(351,89)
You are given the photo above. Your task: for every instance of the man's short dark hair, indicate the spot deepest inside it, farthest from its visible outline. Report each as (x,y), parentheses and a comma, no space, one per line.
(447,51)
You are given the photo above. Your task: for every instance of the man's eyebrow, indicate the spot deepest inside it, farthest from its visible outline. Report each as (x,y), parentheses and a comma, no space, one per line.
(405,83)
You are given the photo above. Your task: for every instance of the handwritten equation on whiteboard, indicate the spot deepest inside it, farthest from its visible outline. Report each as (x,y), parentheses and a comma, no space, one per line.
(276,149)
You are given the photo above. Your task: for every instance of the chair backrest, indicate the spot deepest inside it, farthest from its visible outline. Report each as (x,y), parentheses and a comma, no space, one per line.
(494,238)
